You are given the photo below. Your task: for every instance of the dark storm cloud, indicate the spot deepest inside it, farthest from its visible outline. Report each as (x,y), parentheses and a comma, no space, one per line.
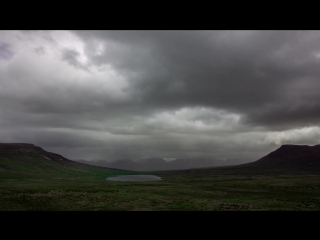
(71,57)
(160,93)
(248,72)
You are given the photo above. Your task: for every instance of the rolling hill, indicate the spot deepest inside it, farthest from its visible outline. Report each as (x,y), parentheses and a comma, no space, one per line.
(30,161)
(22,160)
(290,157)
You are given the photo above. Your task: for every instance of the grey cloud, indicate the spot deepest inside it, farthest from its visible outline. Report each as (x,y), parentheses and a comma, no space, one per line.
(40,50)
(162,93)
(5,51)
(71,57)
(241,71)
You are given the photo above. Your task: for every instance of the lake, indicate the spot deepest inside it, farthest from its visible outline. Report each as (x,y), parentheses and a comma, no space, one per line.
(135,178)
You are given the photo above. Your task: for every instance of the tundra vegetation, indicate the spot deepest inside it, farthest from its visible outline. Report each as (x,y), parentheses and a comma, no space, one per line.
(37,180)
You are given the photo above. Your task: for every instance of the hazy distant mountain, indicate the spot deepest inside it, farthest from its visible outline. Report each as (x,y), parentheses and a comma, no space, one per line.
(149,164)
(287,156)
(237,161)
(82,161)
(141,164)
(188,163)
(126,164)
(100,163)
(158,164)
(291,156)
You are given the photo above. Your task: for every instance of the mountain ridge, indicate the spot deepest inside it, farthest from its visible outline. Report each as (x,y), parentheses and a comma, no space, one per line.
(25,160)
(291,156)
(286,156)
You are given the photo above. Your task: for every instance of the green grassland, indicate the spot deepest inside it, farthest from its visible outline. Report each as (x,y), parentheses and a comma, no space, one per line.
(42,169)
(78,187)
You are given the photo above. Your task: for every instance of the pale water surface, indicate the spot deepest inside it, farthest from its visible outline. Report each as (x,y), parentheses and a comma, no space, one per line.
(138,178)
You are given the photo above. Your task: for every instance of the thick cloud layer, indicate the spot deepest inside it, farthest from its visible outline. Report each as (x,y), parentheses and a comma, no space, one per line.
(116,94)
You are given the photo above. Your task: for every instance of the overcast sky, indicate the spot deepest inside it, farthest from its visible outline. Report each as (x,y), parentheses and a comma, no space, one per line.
(127,94)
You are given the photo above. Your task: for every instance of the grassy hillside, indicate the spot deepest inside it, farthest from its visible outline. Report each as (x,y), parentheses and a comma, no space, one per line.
(28,162)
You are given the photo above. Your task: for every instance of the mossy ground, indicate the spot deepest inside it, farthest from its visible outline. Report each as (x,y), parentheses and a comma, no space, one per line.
(189,190)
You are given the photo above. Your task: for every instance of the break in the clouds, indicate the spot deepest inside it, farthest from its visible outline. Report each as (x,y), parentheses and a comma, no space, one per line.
(116,94)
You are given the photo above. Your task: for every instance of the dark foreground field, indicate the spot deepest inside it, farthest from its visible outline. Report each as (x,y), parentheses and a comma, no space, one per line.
(226,189)
(34,179)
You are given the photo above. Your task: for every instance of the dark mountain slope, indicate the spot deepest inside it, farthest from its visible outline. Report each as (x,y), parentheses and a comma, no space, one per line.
(290,156)
(29,161)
